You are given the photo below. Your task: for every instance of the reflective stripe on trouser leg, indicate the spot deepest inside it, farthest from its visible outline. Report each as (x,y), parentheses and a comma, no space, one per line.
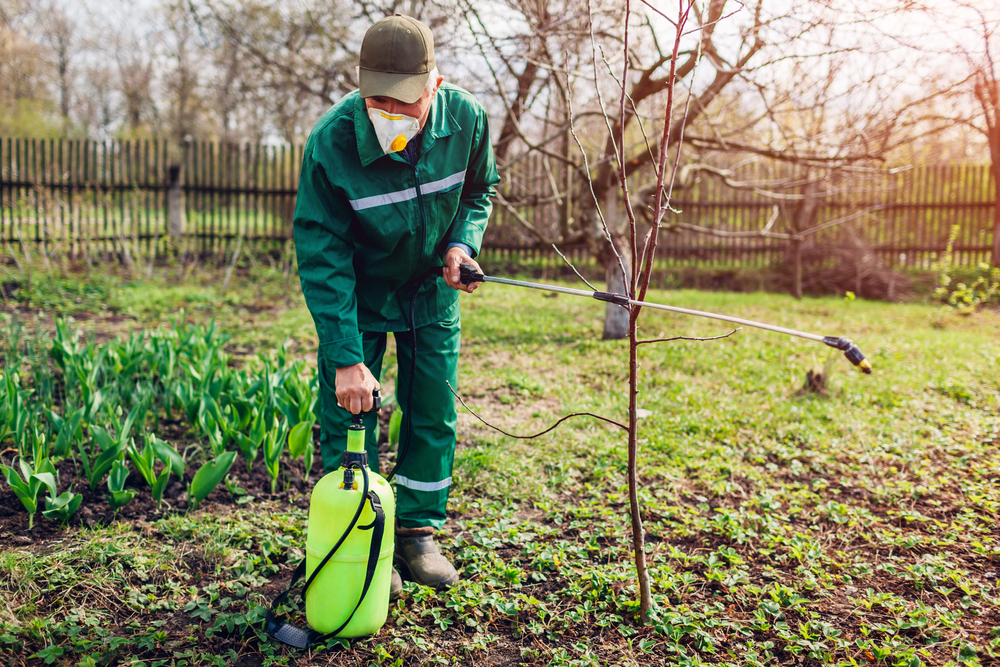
(334,420)
(423,481)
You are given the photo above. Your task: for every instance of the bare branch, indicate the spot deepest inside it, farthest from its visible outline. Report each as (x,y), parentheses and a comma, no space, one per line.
(521,219)
(570,265)
(667,340)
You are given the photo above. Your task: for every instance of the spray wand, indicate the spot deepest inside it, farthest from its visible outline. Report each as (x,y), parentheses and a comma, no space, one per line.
(851,351)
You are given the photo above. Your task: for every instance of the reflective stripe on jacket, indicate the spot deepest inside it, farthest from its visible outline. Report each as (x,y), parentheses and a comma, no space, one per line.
(367,224)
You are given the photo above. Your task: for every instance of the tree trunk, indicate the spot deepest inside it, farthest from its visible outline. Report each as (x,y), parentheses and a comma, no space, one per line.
(638,534)
(797,258)
(995,168)
(996,216)
(987,91)
(804,218)
(616,318)
(616,323)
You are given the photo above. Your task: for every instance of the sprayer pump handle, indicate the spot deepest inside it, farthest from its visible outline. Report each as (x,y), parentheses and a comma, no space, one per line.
(376,407)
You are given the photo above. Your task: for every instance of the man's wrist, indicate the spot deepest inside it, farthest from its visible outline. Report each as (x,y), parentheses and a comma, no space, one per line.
(464,247)
(349,366)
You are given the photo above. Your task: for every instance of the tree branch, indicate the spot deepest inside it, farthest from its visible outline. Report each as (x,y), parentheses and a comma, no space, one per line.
(667,340)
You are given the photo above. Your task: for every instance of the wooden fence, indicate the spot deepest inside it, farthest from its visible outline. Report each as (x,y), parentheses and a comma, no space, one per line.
(115,197)
(118,197)
(903,215)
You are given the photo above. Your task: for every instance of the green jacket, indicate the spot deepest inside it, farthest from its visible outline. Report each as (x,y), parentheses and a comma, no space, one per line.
(367,224)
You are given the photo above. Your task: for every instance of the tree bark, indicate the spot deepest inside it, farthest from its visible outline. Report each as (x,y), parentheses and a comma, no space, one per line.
(616,318)
(996,214)
(804,218)
(987,92)
(797,258)
(994,140)
(638,533)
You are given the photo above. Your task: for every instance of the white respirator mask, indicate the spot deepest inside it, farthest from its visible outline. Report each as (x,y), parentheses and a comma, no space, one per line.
(394,131)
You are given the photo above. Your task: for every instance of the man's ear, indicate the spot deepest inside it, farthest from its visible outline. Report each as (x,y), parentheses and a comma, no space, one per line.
(437,84)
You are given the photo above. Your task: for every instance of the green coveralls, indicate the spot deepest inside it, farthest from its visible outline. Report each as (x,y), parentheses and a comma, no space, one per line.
(368,226)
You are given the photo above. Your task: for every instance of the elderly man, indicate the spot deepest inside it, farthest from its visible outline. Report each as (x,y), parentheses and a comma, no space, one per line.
(396,180)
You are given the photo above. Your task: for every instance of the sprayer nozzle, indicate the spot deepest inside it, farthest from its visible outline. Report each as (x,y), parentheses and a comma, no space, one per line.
(851,351)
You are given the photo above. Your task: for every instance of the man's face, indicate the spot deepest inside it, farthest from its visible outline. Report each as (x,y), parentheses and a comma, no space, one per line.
(418,109)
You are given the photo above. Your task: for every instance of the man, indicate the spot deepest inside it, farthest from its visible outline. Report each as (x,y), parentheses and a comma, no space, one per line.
(396,180)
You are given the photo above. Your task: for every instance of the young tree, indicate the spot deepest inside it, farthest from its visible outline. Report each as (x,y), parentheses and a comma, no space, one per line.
(634,254)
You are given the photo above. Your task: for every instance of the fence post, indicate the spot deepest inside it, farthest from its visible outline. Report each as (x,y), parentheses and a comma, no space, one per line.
(175,204)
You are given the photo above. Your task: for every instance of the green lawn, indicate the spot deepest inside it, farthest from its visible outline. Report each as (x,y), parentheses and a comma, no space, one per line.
(855,528)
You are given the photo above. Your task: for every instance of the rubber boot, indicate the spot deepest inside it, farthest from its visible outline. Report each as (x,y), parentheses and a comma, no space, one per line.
(395,585)
(416,550)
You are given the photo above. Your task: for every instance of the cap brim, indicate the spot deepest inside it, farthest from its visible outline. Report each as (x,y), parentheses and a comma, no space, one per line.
(406,88)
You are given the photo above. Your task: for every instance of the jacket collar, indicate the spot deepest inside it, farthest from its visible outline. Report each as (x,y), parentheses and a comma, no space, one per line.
(440,123)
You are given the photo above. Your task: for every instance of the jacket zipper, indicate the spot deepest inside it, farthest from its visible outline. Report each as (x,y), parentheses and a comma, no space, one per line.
(423,236)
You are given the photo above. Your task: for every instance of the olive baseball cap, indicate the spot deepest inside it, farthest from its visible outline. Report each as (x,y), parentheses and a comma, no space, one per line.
(397,56)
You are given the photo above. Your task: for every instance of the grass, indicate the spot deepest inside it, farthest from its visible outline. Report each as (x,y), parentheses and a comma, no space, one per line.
(856,528)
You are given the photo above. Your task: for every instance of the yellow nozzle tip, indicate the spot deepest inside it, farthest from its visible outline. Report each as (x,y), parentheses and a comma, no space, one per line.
(865,366)
(398,144)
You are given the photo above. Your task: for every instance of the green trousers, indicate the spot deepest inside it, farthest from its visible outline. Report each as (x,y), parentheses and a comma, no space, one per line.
(424,478)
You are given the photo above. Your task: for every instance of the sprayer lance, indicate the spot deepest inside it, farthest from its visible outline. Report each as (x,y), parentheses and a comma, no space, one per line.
(853,353)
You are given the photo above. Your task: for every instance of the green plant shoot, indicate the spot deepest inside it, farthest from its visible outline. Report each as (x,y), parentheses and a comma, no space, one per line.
(29,482)
(300,443)
(119,497)
(60,508)
(274,444)
(209,476)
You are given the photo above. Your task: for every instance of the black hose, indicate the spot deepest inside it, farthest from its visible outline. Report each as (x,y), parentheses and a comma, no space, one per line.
(401,451)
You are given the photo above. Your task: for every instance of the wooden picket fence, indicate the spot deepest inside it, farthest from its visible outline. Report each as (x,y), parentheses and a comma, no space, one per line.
(122,197)
(113,198)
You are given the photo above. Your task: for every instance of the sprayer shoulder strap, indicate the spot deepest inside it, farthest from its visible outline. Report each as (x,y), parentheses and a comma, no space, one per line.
(299,638)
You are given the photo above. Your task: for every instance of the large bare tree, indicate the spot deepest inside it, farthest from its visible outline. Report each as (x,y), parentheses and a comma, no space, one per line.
(986,88)
(59,33)
(294,61)
(818,87)
(24,75)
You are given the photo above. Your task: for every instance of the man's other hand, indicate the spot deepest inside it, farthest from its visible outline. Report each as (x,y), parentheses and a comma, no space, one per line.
(355,385)
(453,259)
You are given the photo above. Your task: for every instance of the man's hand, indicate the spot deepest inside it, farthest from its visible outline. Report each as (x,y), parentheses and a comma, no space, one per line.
(355,385)
(454,258)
